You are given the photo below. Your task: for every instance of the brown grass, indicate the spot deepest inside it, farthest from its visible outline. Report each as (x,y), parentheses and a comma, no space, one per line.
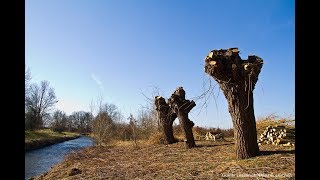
(154,160)
(210,160)
(156,138)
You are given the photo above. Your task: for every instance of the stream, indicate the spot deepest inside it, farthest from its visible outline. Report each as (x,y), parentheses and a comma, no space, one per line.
(39,161)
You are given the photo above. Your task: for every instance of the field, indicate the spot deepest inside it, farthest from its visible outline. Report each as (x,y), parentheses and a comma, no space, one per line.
(209,160)
(147,160)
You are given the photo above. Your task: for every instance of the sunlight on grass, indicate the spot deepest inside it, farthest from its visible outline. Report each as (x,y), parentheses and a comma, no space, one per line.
(42,134)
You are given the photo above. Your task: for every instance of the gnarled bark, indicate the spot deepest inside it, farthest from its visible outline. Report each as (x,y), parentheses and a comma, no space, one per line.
(237,79)
(166,116)
(182,107)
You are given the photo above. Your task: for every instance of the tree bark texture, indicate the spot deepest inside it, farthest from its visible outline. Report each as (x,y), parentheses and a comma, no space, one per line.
(237,79)
(166,116)
(182,107)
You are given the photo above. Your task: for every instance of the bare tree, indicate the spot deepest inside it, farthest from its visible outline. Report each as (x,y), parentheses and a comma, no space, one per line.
(81,121)
(237,79)
(59,123)
(103,125)
(146,122)
(112,111)
(70,123)
(182,107)
(87,122)
(39,101)
(27,77)
(103,128)
(132,123)
(166,116)
(151,105)
(27,87)
(92,108)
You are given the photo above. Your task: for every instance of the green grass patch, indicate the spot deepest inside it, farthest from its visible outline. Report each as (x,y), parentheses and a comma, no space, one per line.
(45,134)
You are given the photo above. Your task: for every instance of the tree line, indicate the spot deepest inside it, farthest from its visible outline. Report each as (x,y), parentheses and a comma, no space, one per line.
(106,125)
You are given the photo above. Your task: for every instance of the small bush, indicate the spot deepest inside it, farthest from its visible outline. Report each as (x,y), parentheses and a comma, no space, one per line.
(156,138)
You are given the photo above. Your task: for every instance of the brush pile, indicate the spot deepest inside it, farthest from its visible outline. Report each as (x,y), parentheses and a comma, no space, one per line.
(278,135)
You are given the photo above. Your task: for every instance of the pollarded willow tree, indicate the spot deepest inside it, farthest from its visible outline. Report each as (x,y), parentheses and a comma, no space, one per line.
(237,79)
(182,107)
(166,116)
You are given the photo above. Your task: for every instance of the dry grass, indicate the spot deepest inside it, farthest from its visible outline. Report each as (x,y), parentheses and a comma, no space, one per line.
(156,138)
(210,160)
(154,160)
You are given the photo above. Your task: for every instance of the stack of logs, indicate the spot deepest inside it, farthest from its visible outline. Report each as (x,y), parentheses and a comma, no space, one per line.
(277,135)
(214,137)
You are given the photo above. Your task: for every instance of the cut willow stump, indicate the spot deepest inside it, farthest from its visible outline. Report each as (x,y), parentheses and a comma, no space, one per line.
(166,116)
(182,107)
(237,79)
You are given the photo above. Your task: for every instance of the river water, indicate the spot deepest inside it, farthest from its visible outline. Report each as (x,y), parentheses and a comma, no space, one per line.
(41,160)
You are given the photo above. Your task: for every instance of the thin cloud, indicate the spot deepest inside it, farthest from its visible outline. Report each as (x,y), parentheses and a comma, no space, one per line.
(99,83)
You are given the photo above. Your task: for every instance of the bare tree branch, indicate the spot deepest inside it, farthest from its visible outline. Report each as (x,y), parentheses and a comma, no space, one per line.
(39,101)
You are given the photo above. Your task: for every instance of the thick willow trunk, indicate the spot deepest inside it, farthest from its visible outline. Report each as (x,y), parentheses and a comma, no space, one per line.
(237,79)
(168,131)
(166,117)
(186,126)
(244,123)
(182,107)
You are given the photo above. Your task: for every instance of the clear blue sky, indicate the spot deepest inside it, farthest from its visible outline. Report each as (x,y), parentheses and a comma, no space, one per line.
(123,48)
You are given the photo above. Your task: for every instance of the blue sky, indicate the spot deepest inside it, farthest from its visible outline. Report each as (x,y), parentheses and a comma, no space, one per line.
(123,48)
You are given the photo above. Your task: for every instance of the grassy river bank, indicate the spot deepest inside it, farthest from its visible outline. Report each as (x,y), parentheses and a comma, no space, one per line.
(45,137)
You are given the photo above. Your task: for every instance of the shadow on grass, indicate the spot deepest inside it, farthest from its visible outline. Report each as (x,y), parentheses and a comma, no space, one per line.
(213,145)
(266,153)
